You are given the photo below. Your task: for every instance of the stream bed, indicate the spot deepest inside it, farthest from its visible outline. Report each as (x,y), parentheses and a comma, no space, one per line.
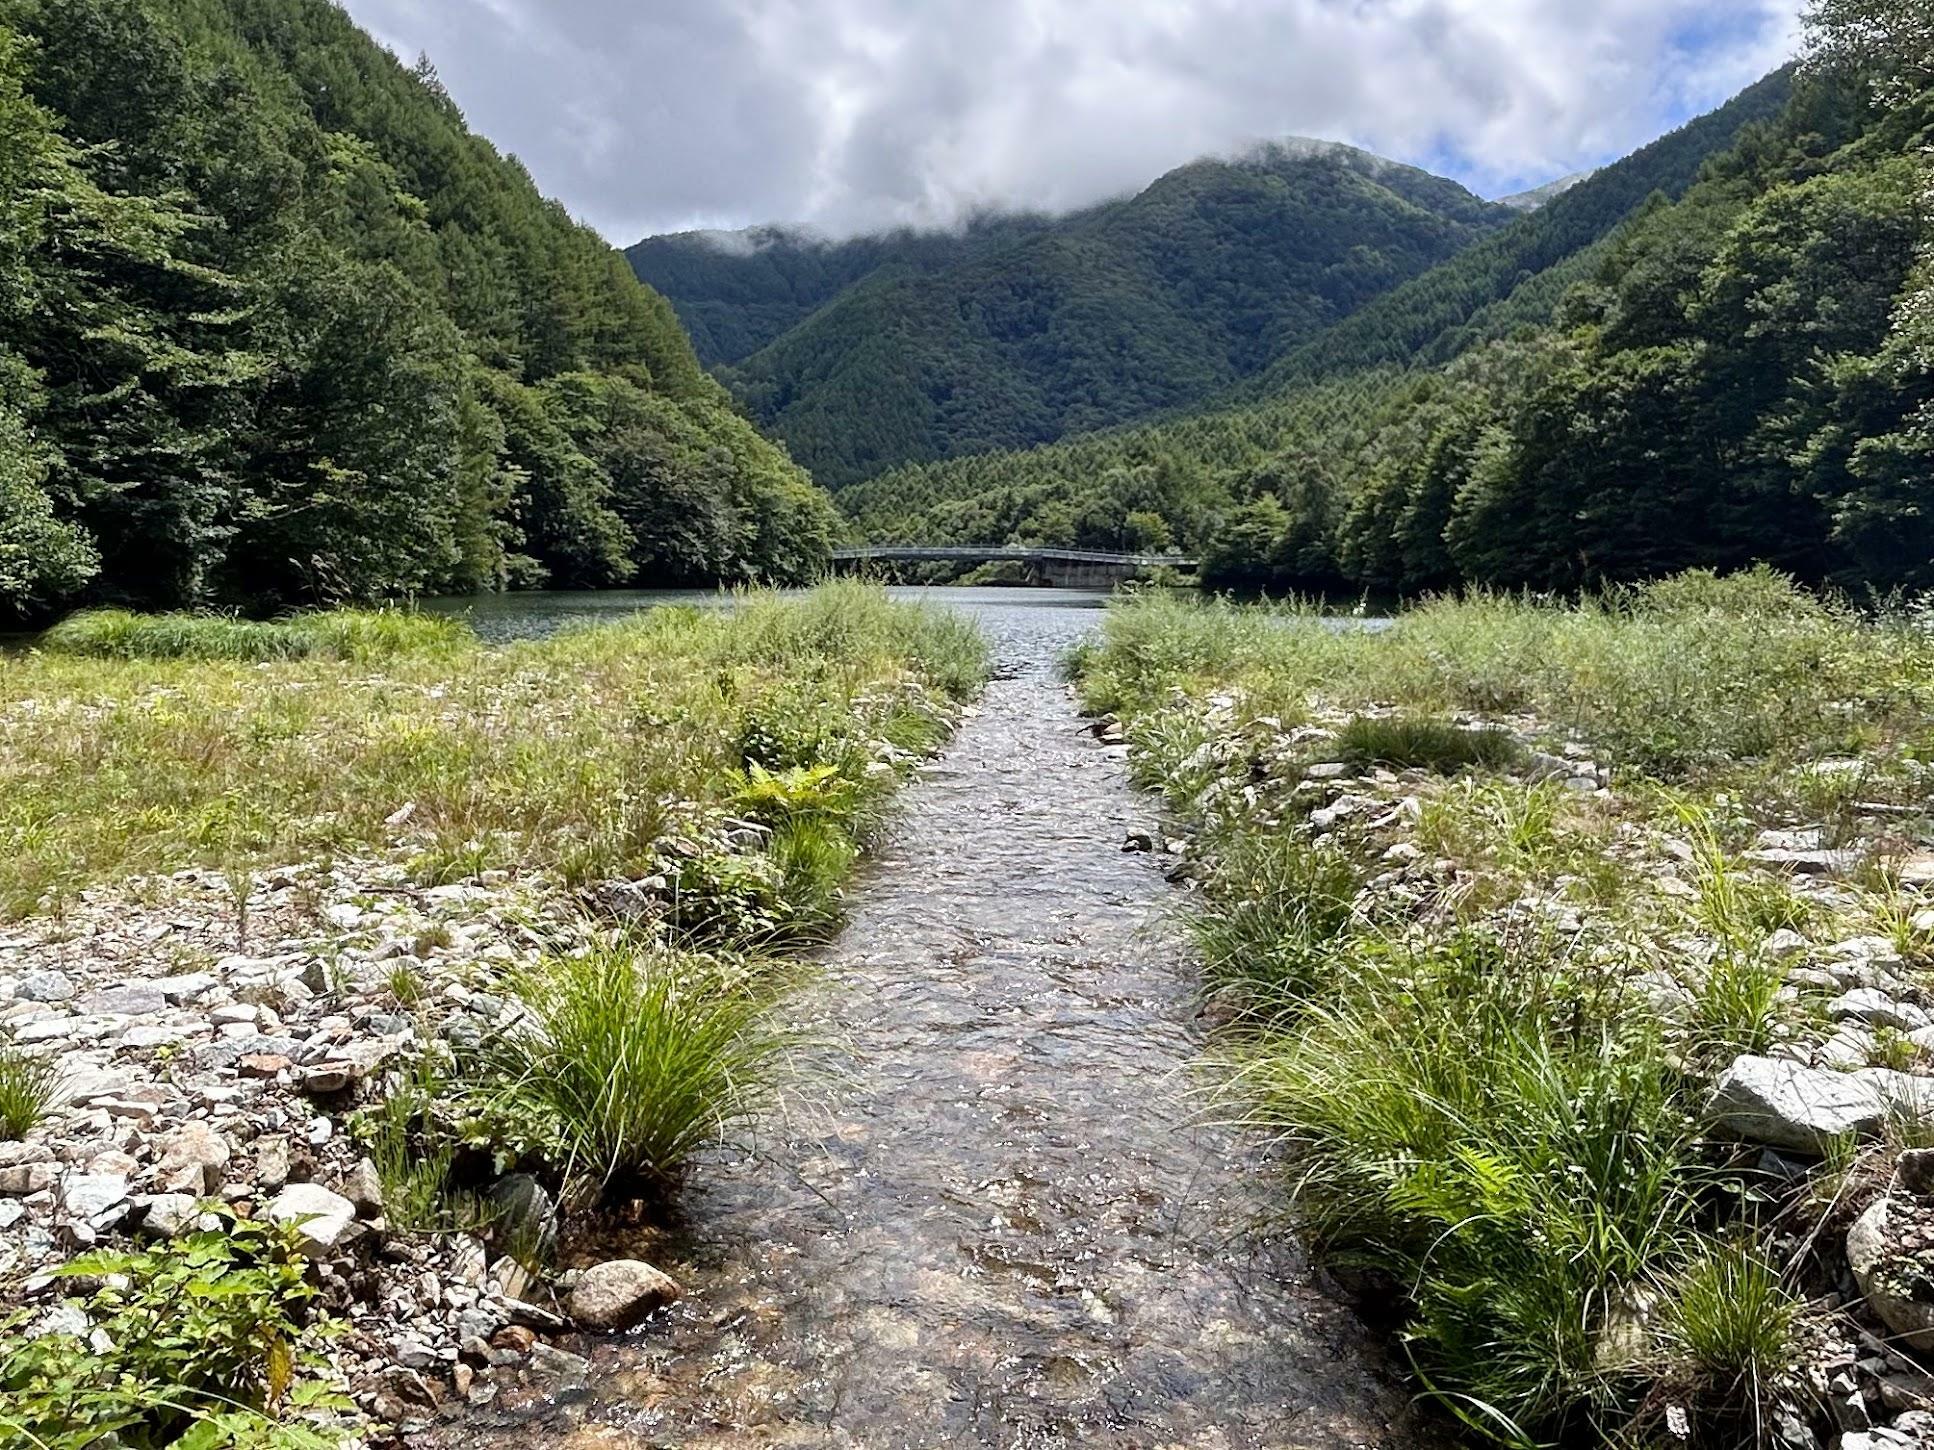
(993,1213)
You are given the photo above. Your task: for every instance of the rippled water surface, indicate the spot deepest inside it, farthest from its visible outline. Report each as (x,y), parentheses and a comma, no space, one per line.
(995,1217)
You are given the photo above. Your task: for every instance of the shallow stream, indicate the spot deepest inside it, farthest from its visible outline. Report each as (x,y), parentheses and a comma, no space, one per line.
(995,1215)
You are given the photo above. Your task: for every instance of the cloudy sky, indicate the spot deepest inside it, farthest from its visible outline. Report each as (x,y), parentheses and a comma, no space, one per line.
(647,116)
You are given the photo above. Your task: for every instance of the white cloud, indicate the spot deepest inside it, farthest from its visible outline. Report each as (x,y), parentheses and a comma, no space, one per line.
(655,115)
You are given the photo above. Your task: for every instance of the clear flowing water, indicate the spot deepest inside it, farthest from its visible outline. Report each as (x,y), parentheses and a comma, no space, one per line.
(997,1215)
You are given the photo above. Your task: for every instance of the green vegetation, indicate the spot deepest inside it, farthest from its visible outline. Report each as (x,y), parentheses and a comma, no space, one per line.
(738,291)
(209,1340)
(29,1083)
(579,755)
(1413,740)
(634,1060)
(1119,312)
(1483,1011)
(365,636)
(279,329)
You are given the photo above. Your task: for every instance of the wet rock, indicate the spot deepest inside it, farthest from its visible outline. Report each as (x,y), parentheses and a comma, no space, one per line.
(556,1372)
(193,1160)
(621,1294)
(1886,1279)
(524,1213)
(1915,1167)
(1138,841)
(322,1218)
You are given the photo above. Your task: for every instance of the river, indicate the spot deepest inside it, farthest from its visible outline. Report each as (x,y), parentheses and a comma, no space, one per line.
(994,1213)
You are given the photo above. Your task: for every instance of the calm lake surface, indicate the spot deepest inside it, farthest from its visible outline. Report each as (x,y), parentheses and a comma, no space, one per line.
(1024,617)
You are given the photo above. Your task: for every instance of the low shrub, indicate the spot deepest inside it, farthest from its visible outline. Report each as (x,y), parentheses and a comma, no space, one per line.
(204,1341)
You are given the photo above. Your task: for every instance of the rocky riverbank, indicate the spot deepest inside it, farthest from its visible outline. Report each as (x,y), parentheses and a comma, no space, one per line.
(1609,1055)
(206,1066)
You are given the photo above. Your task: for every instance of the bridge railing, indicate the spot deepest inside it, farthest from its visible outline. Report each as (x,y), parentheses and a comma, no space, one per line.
(922,553)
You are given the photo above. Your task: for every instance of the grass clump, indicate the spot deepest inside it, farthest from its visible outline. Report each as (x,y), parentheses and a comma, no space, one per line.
(361,636)
(1521,1165)
(1406,740)
(29,1084)
(632,1061)
(1727,1321)
(1279,906)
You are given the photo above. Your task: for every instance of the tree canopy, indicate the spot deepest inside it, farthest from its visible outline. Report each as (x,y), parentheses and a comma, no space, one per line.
(278,328)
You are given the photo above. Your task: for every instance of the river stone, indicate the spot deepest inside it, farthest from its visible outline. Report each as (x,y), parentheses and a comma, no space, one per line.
(1870,1256)
(91,1196)
(557,1372)
(322,1218)
(193,1158)
(621,1293)
(524,1214)
(45,986)
(184,988)
(170,1215)
(364,1188)
(130,999)
(1877,1009)
(1785,1105)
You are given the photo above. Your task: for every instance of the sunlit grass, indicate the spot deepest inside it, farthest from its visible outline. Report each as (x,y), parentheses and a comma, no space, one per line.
(571,754)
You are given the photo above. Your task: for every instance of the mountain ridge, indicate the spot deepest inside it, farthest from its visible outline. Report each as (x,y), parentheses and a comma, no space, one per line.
(1028,330)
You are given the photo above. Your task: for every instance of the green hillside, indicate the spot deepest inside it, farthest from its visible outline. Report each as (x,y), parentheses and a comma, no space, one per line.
(1741,374)
(277,328)
(1120,312)
(737,291)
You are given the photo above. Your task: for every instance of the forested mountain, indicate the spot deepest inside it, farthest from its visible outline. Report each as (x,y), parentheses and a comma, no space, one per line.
(275,327)
(1744,373)
(737,291)
(1119,312)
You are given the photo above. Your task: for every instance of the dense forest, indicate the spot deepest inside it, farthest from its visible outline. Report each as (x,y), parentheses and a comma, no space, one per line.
(274,327)
(1115,313)
(1642,376)
(737,291)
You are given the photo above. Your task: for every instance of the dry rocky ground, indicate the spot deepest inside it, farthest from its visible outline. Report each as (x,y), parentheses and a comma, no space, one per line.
(210,1054)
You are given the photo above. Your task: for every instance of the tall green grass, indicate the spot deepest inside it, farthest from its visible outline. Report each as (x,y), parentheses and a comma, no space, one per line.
(632,1062)
(361,636)
(1664,678)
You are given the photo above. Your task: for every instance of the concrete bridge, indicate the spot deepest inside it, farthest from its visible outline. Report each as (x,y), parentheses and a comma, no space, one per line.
(1060,568)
